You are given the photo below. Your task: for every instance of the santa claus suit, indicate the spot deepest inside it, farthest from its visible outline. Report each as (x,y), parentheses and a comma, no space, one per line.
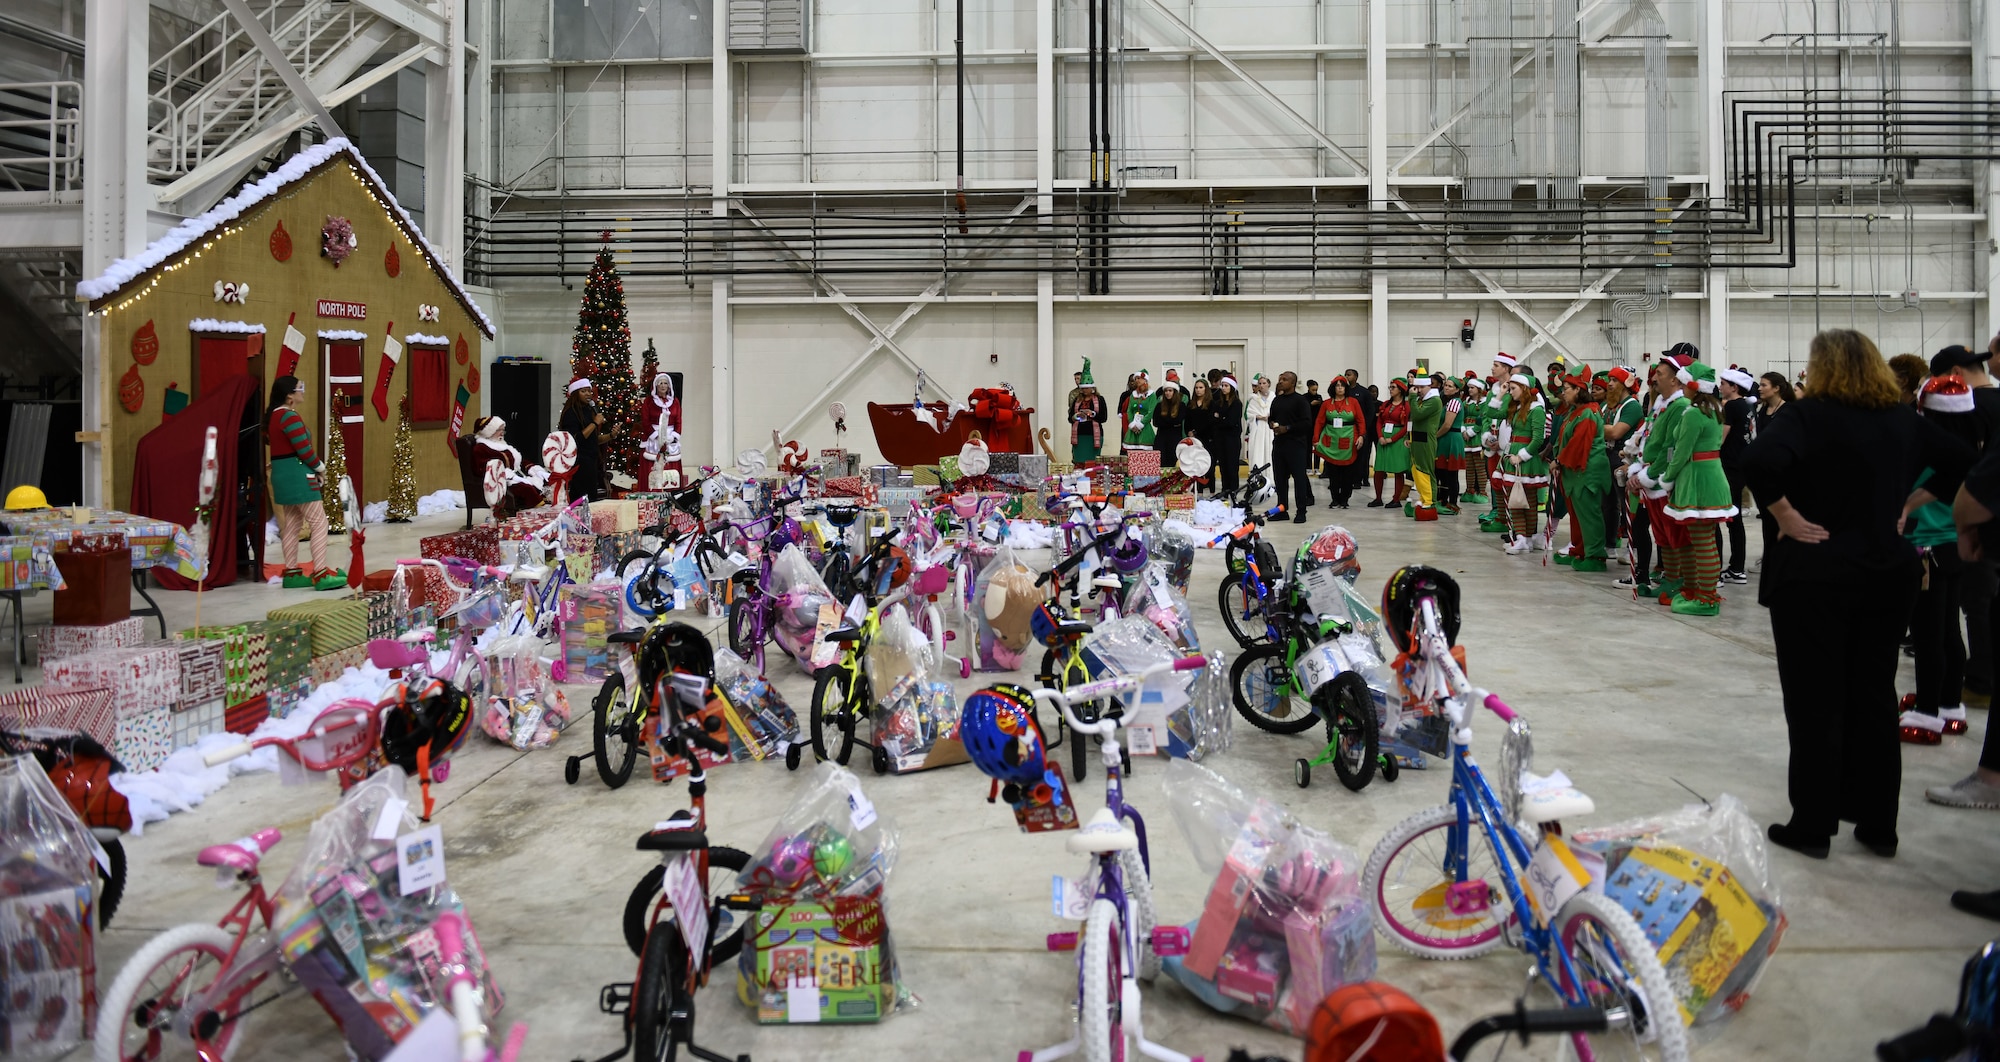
(661,421)
(526,484)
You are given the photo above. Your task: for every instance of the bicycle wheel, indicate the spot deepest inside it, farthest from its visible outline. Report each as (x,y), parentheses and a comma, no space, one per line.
(1266,693)
(831,691)
(724,864)
(146,1016)
(1409,880)
(614,730)
(743,633)
(1103,960)
(1619,970)
(114,882)
(662,1008)
(1351,727)
(475,680)
(1240,613)
(1139,901)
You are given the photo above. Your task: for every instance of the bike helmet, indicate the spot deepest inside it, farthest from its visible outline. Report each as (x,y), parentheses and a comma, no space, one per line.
(438,715)
(1128,555)
(1372,1020)
(671,647)
(1405,589)
(1001,736)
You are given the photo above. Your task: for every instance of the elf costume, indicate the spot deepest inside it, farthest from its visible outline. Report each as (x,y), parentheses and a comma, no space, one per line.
(1522,474)
(1495,519)
(1087,415)
(1392,442)
(1337,441)
(1586,477)
(1472,420)
(1451,455)
(1139,429)
(1698,496)
(1426,416)
(1655,453)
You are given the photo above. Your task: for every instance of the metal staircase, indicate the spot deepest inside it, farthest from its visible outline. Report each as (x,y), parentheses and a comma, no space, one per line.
(40,287)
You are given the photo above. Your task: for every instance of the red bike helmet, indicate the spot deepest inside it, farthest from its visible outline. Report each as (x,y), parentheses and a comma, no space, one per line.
(1374,1022)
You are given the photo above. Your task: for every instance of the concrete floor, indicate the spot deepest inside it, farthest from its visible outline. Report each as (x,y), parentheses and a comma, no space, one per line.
(1633,702)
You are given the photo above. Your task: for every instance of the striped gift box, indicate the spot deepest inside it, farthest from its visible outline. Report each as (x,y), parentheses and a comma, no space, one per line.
(90,711)
(334,624)
(64,640)
(247,716)
(144,738)
(203,677)
(255,676)
(136,675)
(197,721)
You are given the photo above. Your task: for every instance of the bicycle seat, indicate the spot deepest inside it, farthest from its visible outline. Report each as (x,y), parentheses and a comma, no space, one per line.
(1554,804)
(842,516)
(240,854)
(673,841)
(844,635)
(390,654)
(1107,582)
(1103,833)
(626,637)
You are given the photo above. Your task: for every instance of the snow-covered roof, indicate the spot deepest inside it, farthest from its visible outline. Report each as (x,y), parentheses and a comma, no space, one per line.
(125,271)
(234,328)
(343,333)
(419,339)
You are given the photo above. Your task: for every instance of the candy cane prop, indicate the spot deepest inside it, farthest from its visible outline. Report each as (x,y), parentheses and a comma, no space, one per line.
(204,507)
(559,457)
(495,484)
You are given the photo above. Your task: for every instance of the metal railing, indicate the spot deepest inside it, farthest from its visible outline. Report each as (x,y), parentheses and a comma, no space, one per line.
(41,136)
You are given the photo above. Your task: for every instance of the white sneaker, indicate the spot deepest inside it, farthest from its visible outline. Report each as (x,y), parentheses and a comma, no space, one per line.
(1967,792)
(1519,546)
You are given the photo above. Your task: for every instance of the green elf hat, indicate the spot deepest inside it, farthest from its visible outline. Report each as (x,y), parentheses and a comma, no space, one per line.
(1698,375)
(1088,380)
(1525,379)
(1579,378)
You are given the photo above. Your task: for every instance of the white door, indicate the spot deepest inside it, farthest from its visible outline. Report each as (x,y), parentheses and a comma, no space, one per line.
(1433,355)
(1224,354)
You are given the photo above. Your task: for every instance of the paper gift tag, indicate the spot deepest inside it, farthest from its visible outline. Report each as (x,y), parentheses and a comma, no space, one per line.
(801,1002)
(1072,896)
(420,859)
(861,810)
(1558,872)
(683,888)
(390,822)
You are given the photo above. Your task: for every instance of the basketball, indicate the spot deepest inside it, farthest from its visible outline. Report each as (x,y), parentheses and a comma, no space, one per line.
(1353,1015)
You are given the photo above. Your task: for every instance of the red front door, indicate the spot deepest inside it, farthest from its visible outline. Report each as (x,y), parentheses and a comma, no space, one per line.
(343,384)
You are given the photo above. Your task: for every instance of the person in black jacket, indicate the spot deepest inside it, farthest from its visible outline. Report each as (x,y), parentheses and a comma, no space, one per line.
(1170,422)
(1836,472)
(1369,403)
(1291,448)
(1228,451)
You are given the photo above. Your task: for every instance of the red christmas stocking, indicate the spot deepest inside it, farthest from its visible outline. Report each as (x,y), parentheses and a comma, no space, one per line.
(392,352)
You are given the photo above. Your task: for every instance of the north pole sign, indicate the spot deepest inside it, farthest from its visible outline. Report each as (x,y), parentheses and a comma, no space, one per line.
(352,311)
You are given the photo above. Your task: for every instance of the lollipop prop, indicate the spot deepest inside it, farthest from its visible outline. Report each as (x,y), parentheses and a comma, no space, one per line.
(494,485)
(203,509)
(559,457)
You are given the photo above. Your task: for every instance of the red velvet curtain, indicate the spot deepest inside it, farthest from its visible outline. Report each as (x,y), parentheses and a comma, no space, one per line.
(166,471)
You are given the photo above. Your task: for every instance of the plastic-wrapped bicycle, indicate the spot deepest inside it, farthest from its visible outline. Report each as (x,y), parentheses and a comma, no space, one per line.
(1460,879)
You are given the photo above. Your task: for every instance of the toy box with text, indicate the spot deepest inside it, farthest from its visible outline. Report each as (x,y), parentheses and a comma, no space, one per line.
(818,962)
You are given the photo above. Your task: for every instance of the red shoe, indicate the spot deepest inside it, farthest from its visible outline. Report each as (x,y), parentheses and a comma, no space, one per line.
(1954,719)
(1909,701)
(1915,728)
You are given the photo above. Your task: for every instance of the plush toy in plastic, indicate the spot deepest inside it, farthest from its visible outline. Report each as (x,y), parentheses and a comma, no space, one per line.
(1011,600)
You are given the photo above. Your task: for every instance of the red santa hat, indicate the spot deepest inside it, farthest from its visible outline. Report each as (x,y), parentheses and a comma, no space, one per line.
(1947,394)
(1504,358)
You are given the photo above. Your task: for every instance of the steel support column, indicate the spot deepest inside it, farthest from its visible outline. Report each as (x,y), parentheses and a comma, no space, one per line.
(1378,184)
(115,196)
(721,324)
(444,140)
(1986,78)
(1045,205)
(1714,63)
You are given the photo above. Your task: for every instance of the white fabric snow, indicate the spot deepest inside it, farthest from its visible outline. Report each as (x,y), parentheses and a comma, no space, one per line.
(227,328)
(184,235)
(420,339)
(442,501)
(343,335)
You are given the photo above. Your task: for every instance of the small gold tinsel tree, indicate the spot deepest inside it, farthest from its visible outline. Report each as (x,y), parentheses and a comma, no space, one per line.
(329,481)
(403,470)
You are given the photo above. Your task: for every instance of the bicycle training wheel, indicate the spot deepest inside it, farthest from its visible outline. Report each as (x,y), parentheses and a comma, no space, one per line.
(1619,970)
(142,1016)
(114,882)
(1351,728)
(1266,693)
(614,730)
(745,635)
(1101,1014)
(1414,893)
(1240,613)
(662,1008)
(724,864)
(831,692)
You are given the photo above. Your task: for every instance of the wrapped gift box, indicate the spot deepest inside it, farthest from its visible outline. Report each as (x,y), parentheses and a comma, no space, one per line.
(334,623)
(611,548)
(899,499)
(598,614)
(197,721)
(1033,466)
(325,669)
(1004,462)
(144,738)
(1179,502)
(246,717)
(246,656)
(846,960)
(1142,482)
(481,544)
(89,711)
(284,698)
(64,640)
(612,517)
(136,675)
(925,475)
(1142,462)
(947,468)
(290,643)
(650,511)
(884,475)
(202,674)
(381,622)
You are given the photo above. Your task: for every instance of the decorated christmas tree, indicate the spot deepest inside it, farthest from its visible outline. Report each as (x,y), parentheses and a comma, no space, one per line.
(403,470)
(602,352)
(649,367)
(329,481)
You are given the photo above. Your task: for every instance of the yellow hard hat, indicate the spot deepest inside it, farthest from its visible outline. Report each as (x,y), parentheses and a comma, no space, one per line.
(25,497)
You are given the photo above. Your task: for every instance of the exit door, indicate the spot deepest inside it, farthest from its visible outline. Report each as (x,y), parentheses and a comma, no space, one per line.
(343,403)
(1434,356)
(1224,354)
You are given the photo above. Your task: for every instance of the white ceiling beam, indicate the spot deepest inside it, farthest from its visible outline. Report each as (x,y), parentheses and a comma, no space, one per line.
(289,74)
(428,25)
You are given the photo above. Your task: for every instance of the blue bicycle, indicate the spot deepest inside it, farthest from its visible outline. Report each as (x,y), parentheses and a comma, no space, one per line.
(1460,879)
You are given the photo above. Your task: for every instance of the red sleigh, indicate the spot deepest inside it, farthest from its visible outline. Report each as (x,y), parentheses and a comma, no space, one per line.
(907,440)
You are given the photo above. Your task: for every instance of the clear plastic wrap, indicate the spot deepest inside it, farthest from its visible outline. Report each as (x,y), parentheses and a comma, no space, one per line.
(767,721)
(1284,922)
(800,594)
(1192,707)
(912,712)
(819,949)
(1007,597)
(524,707)
(1172,542)
(355,917)
(1153,596)
(48,924)
(1698,881)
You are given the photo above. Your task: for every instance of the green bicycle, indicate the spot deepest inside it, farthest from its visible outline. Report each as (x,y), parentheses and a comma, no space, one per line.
(842,694)
(1301,677)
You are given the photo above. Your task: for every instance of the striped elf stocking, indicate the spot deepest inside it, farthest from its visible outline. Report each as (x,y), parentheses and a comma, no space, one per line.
(1702,565)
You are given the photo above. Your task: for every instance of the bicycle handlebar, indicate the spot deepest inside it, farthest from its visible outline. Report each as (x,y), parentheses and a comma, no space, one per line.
(1090,691)
(1943,1037)
(1097,545)
(1526,1022)
(217,757)
(1499,707)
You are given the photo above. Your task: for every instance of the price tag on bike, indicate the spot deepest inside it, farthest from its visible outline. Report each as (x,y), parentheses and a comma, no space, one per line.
(690,900)
(1559,872)
(1320,665)
(628,669)
(1323,594)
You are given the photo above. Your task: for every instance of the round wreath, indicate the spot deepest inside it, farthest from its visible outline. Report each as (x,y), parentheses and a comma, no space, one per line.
(337,240)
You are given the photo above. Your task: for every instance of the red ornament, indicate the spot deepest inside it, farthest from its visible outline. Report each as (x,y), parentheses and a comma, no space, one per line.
(472,379)
(392,261)
(281,243)
(460,349)
(145,344)
(131,390)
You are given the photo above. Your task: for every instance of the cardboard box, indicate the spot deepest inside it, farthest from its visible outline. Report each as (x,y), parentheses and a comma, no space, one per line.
(202,674)
(89,711)
(137,676)
(97,588)
(62,640)
(144,738)
(481,544)
(815,963)
(614,517)
(195,722)
(333,623)
(246,717)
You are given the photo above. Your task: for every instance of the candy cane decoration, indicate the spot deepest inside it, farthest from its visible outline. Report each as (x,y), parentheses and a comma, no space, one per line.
(791,455)
(495,483)
(559,457)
